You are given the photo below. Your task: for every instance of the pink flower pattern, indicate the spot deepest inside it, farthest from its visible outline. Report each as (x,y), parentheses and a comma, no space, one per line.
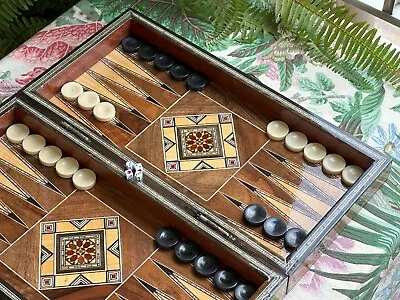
(43,50)
(28,77)
(49,46)
(311,281)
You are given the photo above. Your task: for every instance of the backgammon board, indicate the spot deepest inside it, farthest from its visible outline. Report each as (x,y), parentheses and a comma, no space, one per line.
(199,129)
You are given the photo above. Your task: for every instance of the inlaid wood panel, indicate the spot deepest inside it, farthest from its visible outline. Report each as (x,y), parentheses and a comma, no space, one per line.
(26,195)
(81,217)
(160,143)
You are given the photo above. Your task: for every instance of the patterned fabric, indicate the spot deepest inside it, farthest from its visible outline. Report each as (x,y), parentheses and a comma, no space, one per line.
(363,261)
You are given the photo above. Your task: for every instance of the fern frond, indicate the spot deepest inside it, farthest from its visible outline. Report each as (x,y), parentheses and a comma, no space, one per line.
(232,18)
(18,32)
(340,66)
(331,29)
(10,9)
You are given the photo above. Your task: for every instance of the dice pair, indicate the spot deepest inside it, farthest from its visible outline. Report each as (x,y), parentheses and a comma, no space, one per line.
(133,171)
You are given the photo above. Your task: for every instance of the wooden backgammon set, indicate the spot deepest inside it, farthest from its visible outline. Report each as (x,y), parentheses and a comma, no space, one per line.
(142,167)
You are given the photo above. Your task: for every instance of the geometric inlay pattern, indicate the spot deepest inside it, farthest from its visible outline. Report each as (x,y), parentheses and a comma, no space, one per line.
(199,142)
(80,253)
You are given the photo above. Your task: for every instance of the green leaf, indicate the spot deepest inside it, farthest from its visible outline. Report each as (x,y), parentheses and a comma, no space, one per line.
(236,19)
(396,93)
(373,259)
(306,84)
(336,39)
(256,48)
(366,237)
(384,215)
(339,106)
(318,101)
(353,277)
(11,9)
(286,69)
(257,70)
(396,108)
(110,9)
(169,14)
(245,64)
(363,291)
(5,75)
(370,110)
(325,83)
(338,118)
(356,99)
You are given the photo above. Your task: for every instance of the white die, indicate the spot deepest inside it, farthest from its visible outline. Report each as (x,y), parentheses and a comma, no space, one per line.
(130,165)
(138,167)
(129,174)
(139,175)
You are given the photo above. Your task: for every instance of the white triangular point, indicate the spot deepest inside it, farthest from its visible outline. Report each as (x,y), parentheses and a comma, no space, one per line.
(333,191)
(4,209)
(105,70)
(62,105)
(89,82)
(317,205)
(197,292)
(10,158)
(120,59)
(287,210)
(9,186)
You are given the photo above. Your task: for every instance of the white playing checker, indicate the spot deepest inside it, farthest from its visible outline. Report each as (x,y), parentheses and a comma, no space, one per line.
(71,91)
(33,143)
(277,130)
(296,141)
(84,179)
(314,153)
(350,174)
(16,133)
(104,112)
(50,155)
(333,164)
(88,100)
(66,167)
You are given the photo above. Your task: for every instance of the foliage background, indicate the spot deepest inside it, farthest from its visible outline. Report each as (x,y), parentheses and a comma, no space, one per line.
(15,31)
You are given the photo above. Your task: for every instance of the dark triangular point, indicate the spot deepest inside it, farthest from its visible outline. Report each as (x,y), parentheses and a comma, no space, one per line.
(249,186)
(34,202)
(52,187)
(234,201)
(278,157)
(139,114)
(164,86)
(168,271)
(16,218)
(121,125)
(152,100)
(151,288)
(265,172)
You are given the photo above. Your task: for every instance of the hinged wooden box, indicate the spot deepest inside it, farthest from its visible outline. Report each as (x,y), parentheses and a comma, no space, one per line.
(204,193)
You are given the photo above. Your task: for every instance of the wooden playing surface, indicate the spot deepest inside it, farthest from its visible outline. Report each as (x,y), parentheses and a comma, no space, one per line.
(157,122)
(42,215)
